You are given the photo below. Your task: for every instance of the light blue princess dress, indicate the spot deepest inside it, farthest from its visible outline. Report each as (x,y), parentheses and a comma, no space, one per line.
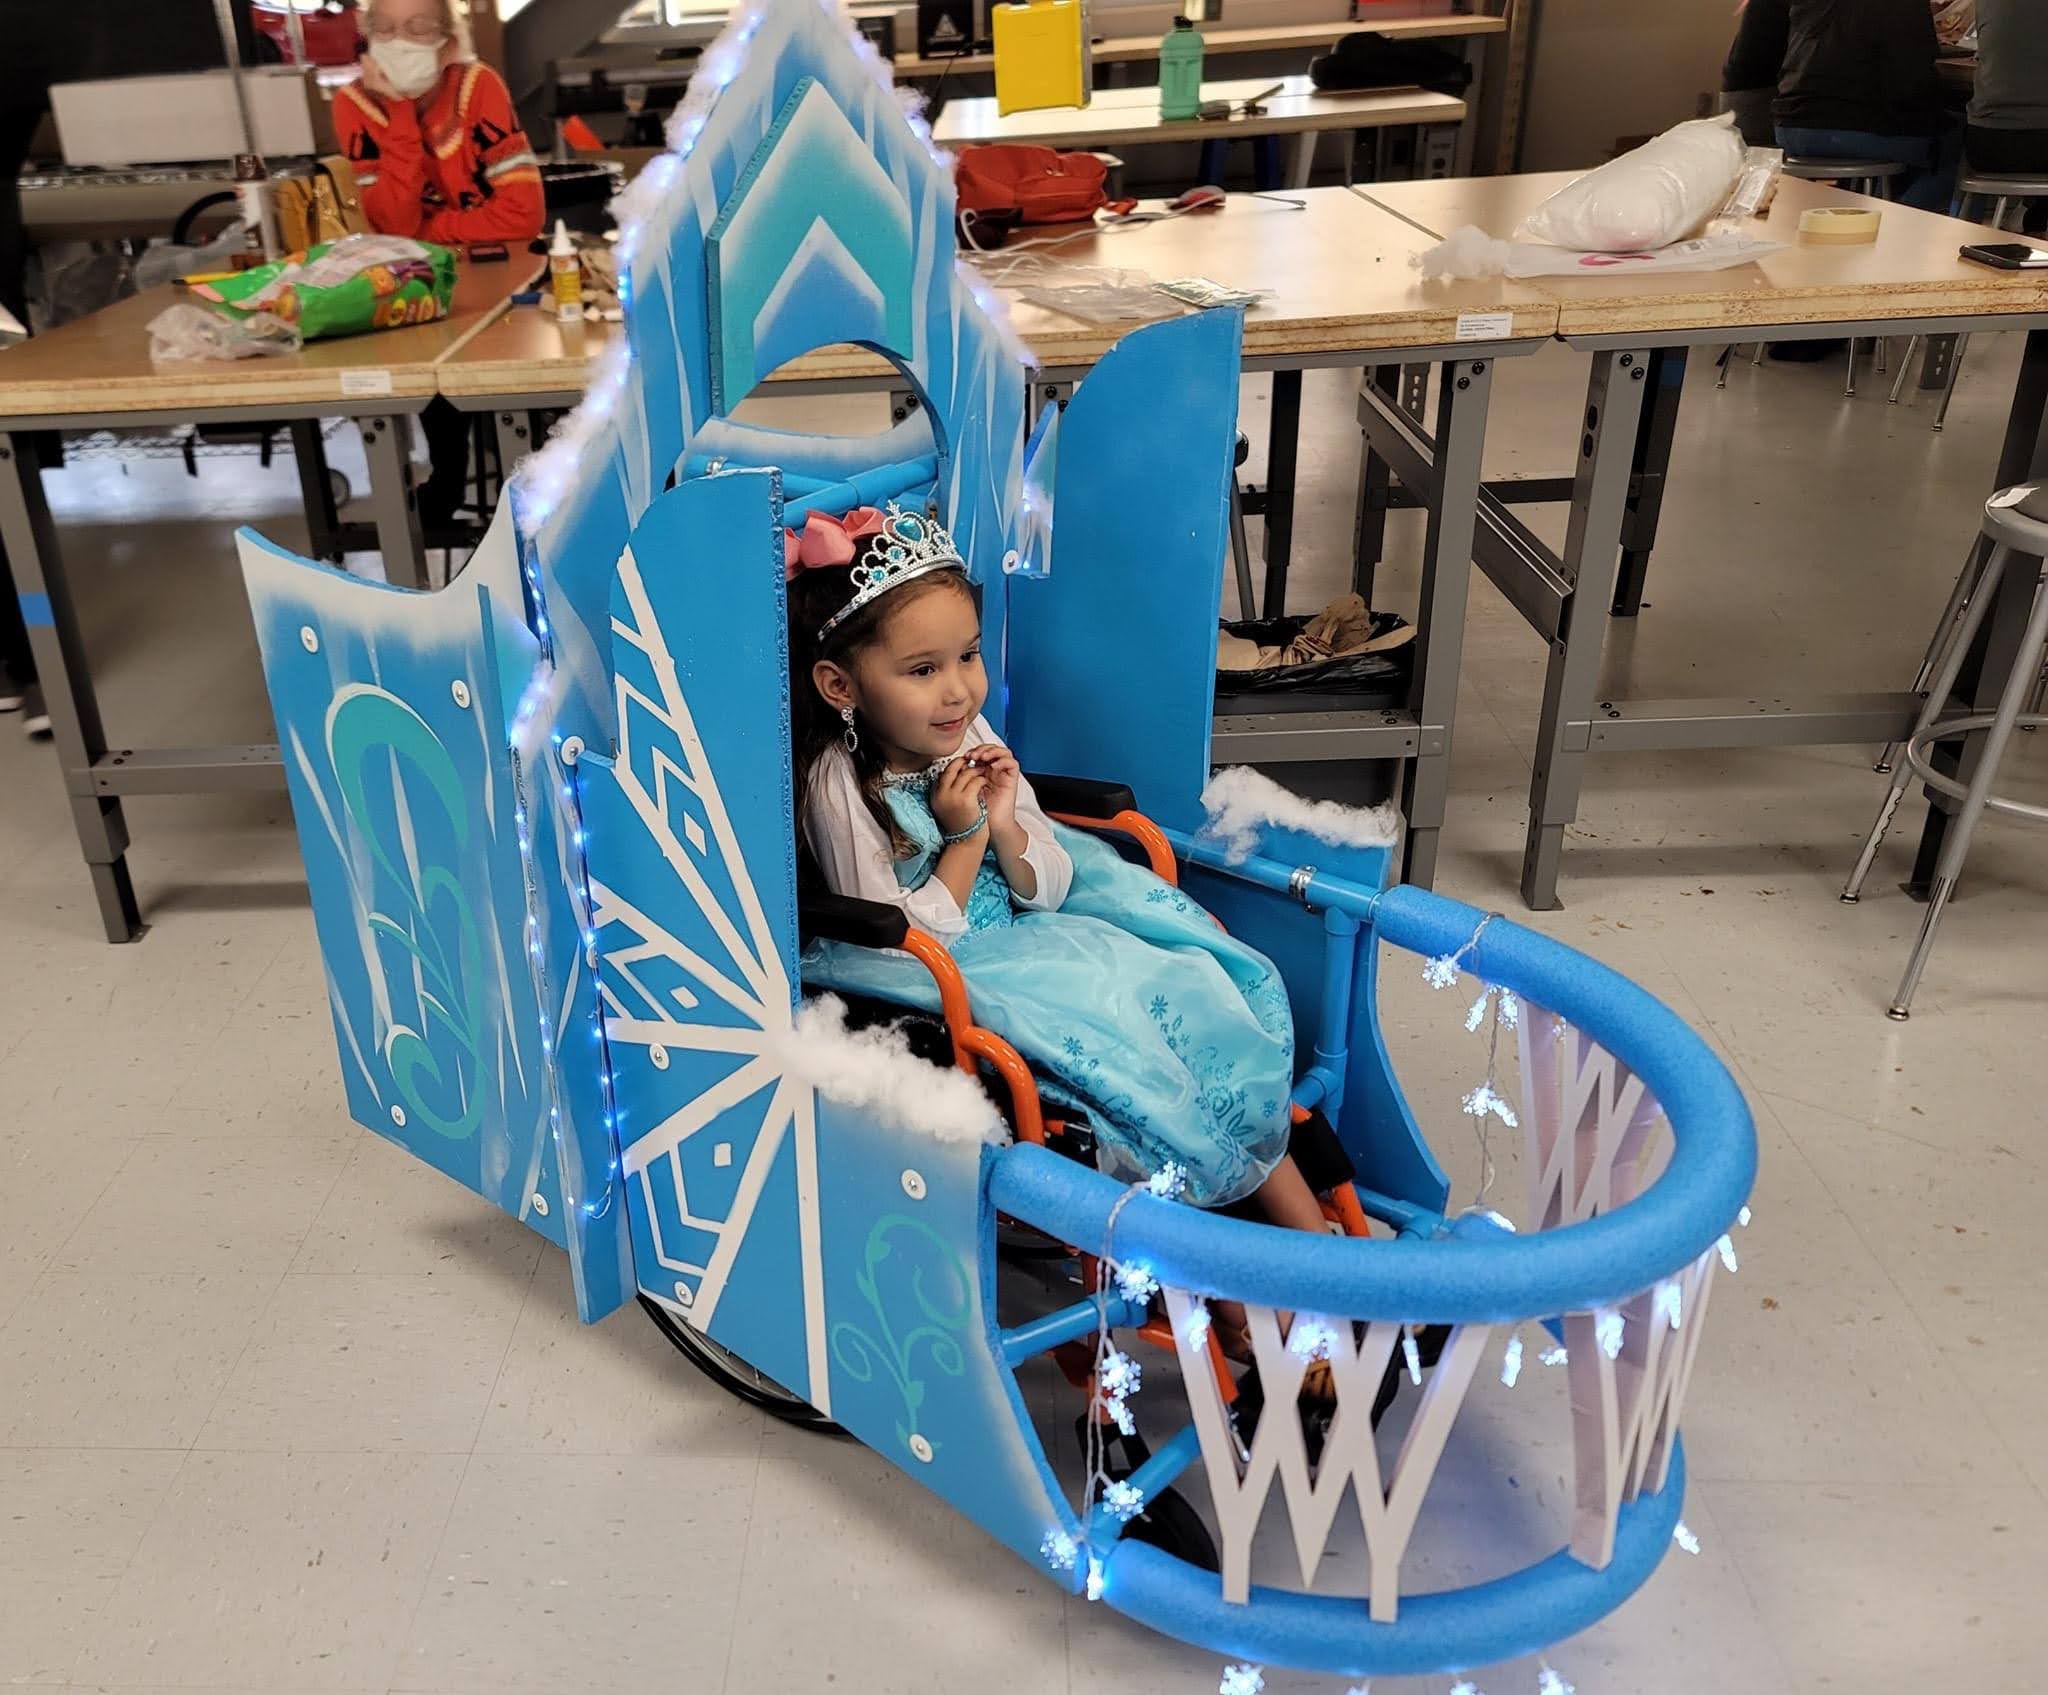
(1128,1002)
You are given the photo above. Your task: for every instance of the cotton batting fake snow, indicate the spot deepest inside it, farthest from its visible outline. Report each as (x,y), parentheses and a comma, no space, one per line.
(875,1070)
(1242,802)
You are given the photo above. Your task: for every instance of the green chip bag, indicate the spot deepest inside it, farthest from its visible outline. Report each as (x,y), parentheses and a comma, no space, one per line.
(361,282)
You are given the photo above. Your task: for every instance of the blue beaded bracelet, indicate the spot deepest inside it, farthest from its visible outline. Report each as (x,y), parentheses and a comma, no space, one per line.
(959,836)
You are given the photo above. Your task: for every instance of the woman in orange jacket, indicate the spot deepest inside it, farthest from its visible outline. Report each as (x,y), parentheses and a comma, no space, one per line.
(438,154)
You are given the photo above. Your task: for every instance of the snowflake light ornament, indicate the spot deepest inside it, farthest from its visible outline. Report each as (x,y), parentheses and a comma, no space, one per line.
(1311,1338)
(1117,1379)
(1608,1330)
(1685,1538)
(1487,1099)
(1550,1682)
(1241,1680)
(1123,1500)
(1059,1550)
(1554,1356)
(1726,1247)
(1136,1284)
(1511,1362)
(1441,972)
(1169,1181)
(1097,1578)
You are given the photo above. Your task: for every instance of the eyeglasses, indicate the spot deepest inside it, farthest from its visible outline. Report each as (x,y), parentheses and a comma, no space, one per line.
(426,31)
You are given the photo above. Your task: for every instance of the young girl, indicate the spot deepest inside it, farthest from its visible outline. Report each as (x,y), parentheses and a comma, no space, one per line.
(1176,1039)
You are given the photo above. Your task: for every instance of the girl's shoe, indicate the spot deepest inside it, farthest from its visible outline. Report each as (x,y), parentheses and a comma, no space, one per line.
(37,724)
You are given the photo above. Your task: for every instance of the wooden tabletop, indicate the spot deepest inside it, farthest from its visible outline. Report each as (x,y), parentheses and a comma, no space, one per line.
(1217,43)
(101,363)
(1130,115)
(1910,271)
(1337,270)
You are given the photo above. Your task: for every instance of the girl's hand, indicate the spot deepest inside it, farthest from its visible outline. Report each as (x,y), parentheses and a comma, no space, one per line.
(999,765)
(957,796)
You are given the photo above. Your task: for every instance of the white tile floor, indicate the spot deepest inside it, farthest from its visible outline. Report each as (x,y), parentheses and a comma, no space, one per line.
(282,1411)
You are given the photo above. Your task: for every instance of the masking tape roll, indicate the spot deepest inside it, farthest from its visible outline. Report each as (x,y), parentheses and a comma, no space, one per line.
(1841,225)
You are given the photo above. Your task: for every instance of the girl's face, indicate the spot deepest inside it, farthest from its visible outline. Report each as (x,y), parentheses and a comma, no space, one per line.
(920,683)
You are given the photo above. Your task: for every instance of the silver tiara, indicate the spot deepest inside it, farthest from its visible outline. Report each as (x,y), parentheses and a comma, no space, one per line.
(909,545)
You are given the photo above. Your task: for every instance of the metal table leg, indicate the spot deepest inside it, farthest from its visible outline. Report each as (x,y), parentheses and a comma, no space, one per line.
(1301,158)
(1996,650)
(1465,388)
(516,432)
(316,488)
(1615,395)
(38,566)
(1282,446)
(391,501)
(1646,482)
(1375,478)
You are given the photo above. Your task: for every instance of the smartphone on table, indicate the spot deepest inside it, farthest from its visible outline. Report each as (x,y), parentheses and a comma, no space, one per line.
(2007,255)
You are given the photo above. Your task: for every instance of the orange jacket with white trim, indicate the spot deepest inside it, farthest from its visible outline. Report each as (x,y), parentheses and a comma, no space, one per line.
(460,171)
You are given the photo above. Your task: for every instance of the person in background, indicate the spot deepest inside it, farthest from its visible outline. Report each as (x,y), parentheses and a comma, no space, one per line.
(1749,77)
(2007,133)
(1859,83)
(438,154)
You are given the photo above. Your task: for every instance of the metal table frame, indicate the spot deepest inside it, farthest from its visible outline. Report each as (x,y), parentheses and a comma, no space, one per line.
(1627,428)
(1420,735)
(97,775)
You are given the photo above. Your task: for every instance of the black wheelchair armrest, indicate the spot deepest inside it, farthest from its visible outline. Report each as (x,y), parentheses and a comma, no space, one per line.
(824,917)
(1082,797)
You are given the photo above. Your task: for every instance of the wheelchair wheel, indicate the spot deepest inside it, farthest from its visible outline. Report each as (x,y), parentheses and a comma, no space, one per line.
(735,1376)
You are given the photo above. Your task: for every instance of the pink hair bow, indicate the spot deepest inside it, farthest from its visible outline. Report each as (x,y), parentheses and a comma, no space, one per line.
(825,540)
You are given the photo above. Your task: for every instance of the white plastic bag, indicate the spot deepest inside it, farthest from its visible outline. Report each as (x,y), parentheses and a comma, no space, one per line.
(1471,252)
(1663,192)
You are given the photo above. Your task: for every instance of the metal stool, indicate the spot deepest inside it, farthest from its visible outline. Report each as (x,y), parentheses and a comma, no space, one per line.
(2003,192)
(2015,526)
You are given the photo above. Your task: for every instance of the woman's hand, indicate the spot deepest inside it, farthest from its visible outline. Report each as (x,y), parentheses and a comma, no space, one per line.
(374,80)
(999,765)
(958,795)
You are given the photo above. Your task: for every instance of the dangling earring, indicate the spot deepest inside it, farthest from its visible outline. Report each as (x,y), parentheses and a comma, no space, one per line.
(852,736)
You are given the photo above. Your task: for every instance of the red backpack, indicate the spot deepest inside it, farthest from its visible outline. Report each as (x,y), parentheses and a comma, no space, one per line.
(1033,185)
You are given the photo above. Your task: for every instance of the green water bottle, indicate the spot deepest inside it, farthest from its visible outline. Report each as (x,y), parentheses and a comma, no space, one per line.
(1180,71)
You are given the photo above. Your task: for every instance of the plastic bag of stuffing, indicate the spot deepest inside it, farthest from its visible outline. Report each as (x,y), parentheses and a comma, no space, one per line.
(1471,252)
(1663,192)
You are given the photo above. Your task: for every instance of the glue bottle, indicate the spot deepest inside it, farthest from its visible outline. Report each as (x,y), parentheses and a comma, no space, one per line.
(1180,71)
(565,275)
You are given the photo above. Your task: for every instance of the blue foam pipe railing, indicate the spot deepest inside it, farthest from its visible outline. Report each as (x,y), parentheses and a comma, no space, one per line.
(1452,1280)
(1484,1624)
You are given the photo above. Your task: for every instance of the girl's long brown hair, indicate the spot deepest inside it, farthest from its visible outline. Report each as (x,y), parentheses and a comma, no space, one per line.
(814,595)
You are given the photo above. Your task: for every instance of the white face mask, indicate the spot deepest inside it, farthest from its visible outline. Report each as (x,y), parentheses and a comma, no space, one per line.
(413,67)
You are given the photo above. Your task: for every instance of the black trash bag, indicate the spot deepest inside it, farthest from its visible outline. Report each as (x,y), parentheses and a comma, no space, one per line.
(1368,59)
(1365,680)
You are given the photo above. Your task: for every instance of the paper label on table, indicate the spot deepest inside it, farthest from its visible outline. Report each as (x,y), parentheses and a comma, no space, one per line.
(1485,326)
(357,383)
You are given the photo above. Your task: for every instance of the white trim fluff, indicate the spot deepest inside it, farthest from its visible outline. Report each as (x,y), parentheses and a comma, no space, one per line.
(874,1069)
(1241,803)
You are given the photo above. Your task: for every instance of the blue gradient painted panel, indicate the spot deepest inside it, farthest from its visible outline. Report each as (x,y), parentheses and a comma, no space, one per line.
(1113,651)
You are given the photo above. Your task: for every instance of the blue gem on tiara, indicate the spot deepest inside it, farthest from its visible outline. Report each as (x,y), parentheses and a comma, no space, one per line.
(911,546)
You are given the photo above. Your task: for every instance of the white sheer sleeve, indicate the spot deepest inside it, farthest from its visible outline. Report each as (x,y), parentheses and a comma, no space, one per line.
(853,852)
(1054,865)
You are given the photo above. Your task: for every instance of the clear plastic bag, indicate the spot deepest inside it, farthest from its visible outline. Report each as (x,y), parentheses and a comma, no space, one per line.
(186,331)
(166,261)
